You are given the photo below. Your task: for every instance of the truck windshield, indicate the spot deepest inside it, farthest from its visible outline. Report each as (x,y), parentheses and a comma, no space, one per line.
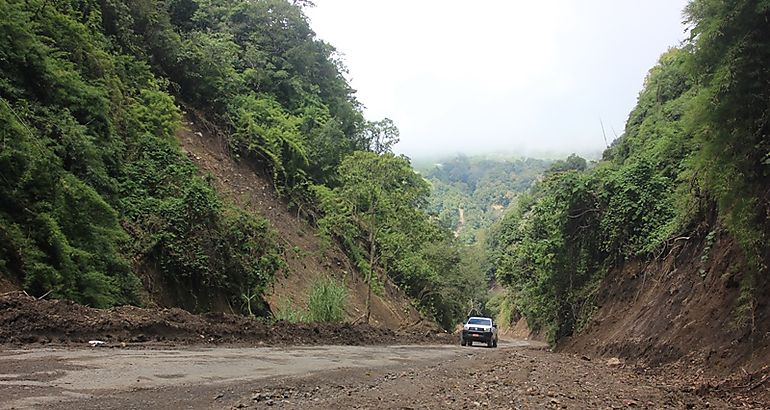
(479,321)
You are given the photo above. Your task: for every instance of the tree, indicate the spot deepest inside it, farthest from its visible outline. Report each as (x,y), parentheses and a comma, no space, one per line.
(572,163)
(379,136)
(375,190)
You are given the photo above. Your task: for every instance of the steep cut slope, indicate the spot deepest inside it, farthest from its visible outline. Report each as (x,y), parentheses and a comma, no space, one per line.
(306,255)
(682,309)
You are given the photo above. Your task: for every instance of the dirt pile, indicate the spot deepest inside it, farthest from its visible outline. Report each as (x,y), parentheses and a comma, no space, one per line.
(26,320)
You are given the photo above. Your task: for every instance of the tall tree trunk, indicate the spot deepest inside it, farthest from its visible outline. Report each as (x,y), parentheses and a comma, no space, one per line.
(368,303)
(372,272)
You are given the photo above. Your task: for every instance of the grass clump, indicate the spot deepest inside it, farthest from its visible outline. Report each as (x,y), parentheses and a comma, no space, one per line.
(285,311)
(326,303)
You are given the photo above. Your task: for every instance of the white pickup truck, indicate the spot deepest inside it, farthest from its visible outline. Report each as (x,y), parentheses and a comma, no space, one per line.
(479,329)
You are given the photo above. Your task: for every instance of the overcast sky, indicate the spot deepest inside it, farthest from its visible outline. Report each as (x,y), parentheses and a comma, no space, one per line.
(524,77)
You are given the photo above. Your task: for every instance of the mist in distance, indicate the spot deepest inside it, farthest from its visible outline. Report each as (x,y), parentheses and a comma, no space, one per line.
(526,78)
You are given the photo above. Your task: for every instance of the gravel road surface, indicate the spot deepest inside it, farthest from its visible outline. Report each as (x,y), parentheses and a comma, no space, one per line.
(517,375)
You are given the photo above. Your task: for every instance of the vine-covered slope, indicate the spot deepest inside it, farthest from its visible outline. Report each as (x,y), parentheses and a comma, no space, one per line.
(98,204)
(667,235)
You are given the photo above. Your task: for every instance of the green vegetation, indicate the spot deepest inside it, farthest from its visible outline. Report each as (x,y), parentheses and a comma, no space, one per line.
(95,193)
(482,187)
(94,187)
(326,303)
(287,312)
(377,213)
(696,140)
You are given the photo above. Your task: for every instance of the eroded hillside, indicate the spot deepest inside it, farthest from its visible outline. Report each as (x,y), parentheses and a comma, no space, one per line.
(683,308)
(658,252)
(308,257)
(99,205)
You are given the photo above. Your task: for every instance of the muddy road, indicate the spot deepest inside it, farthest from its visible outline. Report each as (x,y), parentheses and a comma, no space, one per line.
(517,375)
(121,378)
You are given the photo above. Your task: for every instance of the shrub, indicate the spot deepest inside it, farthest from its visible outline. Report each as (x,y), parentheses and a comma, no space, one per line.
(326,301)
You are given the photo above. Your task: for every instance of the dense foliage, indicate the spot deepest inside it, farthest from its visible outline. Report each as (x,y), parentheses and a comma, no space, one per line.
(482,187)
(697,137)
(256,68)
(95,193)
(377,212)
(94,188)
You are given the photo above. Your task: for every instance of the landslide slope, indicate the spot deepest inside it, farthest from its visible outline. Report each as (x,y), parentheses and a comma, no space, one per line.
(682,315)
(682,307)
(308,257)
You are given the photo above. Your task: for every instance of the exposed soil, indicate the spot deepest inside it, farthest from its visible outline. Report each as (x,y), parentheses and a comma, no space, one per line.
(308,257)
(517,375)
(678,314)
(25,320)
(6,285)
(513,378)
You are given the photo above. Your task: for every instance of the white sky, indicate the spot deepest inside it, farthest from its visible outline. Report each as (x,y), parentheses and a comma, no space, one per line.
(525,77)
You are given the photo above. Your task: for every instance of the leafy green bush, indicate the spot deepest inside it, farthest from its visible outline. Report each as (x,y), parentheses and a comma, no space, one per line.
(93,183)
(728,119)
(59,236)
(199,243)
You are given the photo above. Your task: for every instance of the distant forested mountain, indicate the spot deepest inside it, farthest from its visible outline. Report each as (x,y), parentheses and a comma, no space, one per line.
(468,194)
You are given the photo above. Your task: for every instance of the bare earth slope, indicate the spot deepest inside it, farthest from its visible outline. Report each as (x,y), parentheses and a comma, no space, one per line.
(680,313)
(307,257)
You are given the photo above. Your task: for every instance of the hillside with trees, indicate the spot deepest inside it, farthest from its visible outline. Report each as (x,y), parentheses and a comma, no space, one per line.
(469,194)
(178,174)
(95,191)
(660,249)
(102,196)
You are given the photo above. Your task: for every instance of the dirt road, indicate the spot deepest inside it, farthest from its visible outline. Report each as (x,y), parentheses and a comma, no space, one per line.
(518,375)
